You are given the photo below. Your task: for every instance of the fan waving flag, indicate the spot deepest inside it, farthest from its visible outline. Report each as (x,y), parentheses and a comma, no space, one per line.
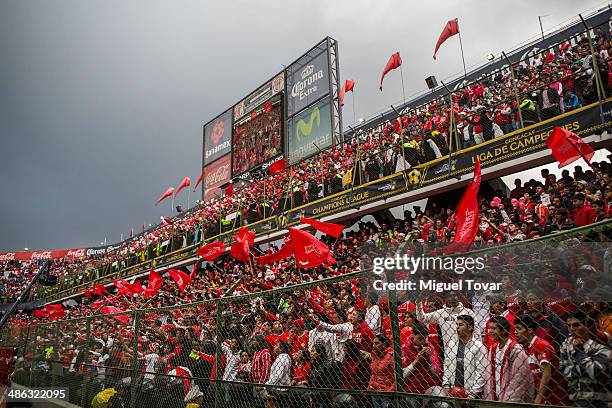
(99,289)
(212,251)
(394,62)
(185,183)
(167,194)
(277,166)
(466,216)
(198,181)
(567,147)
(451,28)
(309,251)
(329,228)
(285,252)
(55,311)
(87,293)
(153,284)
(181,278)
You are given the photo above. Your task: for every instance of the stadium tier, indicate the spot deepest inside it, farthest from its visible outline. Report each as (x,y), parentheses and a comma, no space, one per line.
(154,321)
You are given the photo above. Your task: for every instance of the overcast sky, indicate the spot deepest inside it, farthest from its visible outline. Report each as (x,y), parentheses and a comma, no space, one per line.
(102,102)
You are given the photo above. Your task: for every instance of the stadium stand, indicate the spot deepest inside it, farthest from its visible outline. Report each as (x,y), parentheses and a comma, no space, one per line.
(277,335)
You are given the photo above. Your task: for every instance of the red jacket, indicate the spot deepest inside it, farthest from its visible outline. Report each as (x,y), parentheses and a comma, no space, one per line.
(383,372)
(584,215)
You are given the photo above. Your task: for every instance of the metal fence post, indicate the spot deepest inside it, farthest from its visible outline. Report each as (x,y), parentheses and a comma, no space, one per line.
(218,356)
(134,361)
(85,381)
(395,334)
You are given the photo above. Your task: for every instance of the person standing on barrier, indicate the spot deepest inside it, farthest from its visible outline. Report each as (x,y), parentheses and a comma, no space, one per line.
(585,364)
(508,377)
(543,362)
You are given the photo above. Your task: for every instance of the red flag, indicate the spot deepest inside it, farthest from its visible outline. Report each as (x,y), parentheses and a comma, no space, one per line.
(99,289)
(212,251)
(267,106)
(40,313)
(229,190)
(137,287)
(567,147)
(451,28)
(167,194)
(329,228)
(240,250)
(199,181)
(394,62)
(180,277)
(55,311)
(185,183)
(123,287)
(349,84)
(153,284)
(245,234)
(278,166)
(124,318)
(467,216)
(87,293)
(309,251)
(165,221)
(285,252)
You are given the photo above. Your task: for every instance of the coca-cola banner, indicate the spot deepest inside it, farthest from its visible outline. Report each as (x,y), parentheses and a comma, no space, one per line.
(38,255)
(308,79)
(215,175)
(218,137)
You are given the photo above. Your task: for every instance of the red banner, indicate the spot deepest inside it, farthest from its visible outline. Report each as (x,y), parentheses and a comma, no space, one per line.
(37,255)
(215,175)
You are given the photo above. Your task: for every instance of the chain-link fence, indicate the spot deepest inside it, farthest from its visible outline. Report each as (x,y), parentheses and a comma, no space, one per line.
(538,332)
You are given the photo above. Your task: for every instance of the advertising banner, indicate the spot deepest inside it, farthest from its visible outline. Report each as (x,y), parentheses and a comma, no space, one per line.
(308,79)
(41,255)
(218,137)
(309,131)
(215,175)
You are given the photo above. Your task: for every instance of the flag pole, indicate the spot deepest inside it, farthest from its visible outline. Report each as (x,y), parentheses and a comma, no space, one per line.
(188,194)
(403,90)
(462,56)
(353,103)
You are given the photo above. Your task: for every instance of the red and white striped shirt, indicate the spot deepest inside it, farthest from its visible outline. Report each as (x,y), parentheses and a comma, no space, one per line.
(260,367)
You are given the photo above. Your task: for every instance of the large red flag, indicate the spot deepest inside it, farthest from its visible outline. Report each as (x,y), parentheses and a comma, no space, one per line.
(167,194)
(278,166)
(40,313)
(212,251)
(123,287)
(567,147)
(467,216)
(451,28)
(185,183)
(329,228)
(198,181)
(285,252)
(87,293)
(137,287)
(181,278)
(245,234)
(309,251)
(124,318)
(240,250)
(394,62)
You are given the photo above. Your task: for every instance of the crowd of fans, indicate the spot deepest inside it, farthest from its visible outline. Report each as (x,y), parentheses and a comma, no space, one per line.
(524,345)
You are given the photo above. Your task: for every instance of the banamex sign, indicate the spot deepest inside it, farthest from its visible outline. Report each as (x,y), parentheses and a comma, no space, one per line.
(307,80)
(215,175)
(218,137)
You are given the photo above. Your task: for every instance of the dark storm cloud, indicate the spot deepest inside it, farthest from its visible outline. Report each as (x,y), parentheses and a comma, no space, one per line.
(102,102)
